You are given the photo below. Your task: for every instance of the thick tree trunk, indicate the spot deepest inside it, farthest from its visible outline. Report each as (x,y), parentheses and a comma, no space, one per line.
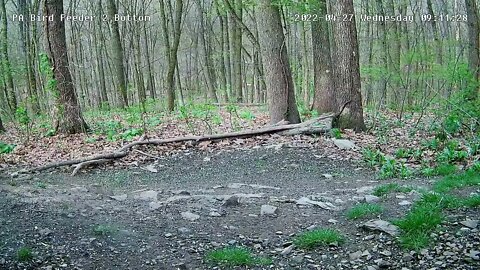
(99,47)
(278,76)
(237,87)
(347,70)
(69,117)
(324,98)
(118,55)
(473,46)
(7,69)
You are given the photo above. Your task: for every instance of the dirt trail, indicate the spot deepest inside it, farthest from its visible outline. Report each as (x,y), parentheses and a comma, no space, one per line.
(195,202)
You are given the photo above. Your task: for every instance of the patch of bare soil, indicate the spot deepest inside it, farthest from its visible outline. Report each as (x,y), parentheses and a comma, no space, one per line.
(169,214)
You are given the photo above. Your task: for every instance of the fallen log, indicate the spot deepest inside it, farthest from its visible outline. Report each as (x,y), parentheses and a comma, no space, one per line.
(319,125)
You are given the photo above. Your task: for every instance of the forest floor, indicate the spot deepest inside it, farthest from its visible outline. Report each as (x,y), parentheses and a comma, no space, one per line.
(198,201)
(174,206)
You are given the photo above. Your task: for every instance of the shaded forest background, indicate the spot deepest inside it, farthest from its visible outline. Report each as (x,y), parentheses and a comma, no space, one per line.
(180,53)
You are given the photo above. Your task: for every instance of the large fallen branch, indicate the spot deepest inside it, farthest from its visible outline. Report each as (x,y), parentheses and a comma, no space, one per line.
(317,125)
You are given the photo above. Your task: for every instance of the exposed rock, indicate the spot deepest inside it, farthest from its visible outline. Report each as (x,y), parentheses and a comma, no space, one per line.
(119,198)
(287,250)
(344,144)
(154,205)
(404,203)
(181,192)
(371,198)
(148,195)
(355,255)
(327,175)
(184,230)
(215,214)
(365,189)
(381,225)
(190,216)
(268,210)
(45,232)
(324,205)
(472,224)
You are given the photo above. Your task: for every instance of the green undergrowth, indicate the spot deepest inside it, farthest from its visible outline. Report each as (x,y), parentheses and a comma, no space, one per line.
(235,256)
(318,237)
(428,213)
(385,189)
(363,210)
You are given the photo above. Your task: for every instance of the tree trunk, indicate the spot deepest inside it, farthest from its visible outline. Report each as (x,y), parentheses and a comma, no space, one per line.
(2,129)
(278,76)
(118,55)
(473,47)
(7,69)
(69,116)
(99,47)
(347,69)
(324,98)
(236,36)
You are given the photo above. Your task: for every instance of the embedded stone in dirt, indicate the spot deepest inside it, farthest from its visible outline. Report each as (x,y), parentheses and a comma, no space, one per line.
(365,189)
(324,205)
(381,225)
(148,195)
(472,224)
(268,210)
(119,198)
(344,144)
(190,216)
(371,198)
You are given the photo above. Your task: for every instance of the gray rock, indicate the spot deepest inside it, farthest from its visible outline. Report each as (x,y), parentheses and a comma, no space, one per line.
(215,214)
(45,232)
(371,198)
(148,195)
(119,198)
(365,189)
(190,216)
(298,259)
(287,250)
(369,267)
(268,210)
(344,144)
(181,192)
(324,205)
(404,203)
(472,224)
(154,205)
(381,225)
(184,230)
(355,255)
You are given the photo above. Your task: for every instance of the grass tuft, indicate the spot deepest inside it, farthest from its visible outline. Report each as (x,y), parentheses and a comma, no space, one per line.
(24,254)
(364,210)
(468,178)
(390,188)
(319,237)
(235,256)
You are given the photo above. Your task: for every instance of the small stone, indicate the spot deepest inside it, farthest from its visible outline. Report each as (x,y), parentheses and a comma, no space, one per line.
(184,230)
(474,254)
(268,210)
(45,232)
(369,267)
(328,176)
(400,196)
(181,192)
(215,214)
(232,242)
(472,224)
(382,263)
(333,221)
(189,216)
(168,235)
(149,195)
(298,259)
(311,227)
(287,250)
(355,255)
(119,198)
(386,253)
(404,203)
(344,144)
(371,198)
(279,233)
(366,189)
(382,225)
(369,237)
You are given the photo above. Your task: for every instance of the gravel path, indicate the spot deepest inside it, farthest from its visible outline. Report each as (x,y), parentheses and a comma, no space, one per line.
(196,202)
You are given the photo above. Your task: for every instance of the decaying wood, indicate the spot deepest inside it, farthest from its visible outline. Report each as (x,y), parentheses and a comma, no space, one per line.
(317,125)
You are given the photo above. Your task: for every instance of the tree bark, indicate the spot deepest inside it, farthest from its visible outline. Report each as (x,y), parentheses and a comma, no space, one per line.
(7,69)
(473,47)
(69,119)
(324,98)
(118,55)
(278,76)
(2,128)
(237,87)
(347,69)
